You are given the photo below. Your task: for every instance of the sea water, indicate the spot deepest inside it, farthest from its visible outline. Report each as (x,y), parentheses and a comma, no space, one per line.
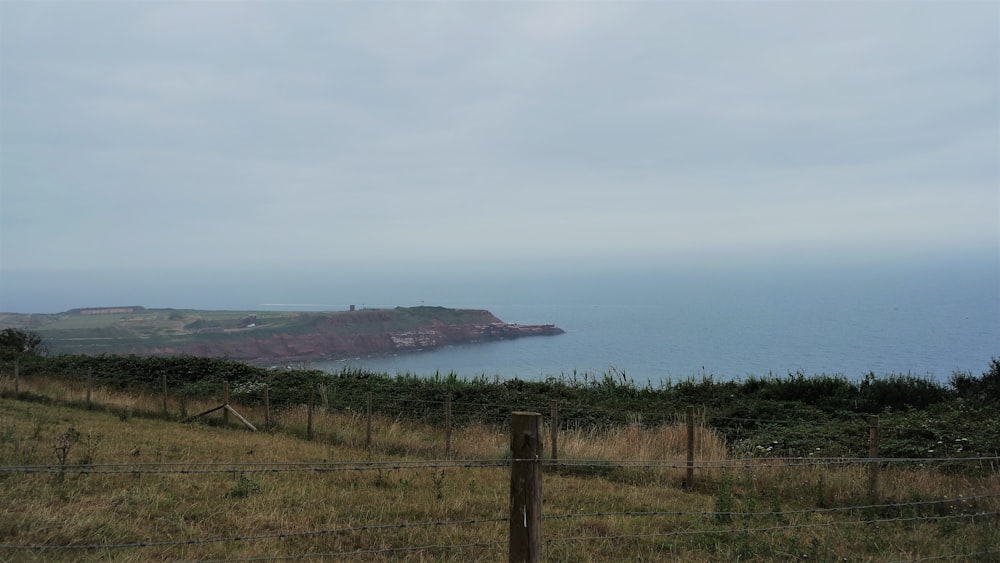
(924,317)
(926,321)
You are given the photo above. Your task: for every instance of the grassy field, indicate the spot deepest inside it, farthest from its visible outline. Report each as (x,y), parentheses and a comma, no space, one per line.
(159,489)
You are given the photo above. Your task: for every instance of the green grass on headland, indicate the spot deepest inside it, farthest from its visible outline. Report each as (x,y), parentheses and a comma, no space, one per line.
(144,331)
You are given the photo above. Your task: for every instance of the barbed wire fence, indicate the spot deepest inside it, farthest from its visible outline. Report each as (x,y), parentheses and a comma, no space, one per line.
(974,508)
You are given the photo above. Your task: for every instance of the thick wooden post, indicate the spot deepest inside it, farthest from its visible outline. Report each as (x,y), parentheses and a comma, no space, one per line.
(689,479)
(163,382)
(17,376)
(267,409)
(873,455)
(525,487)
(554,429)
(309,413)
(447,426)
(225,402)
(368,425)
(90,384)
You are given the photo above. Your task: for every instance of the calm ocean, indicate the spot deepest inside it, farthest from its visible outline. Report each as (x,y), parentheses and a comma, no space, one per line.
(925,321)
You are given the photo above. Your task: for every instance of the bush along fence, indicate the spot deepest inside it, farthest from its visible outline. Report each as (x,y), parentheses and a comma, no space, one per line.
(752,424)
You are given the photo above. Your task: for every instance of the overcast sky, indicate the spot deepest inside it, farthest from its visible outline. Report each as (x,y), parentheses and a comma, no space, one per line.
(261,134)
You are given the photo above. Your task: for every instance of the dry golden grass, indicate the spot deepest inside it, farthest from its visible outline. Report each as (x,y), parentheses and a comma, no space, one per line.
(599,512)
(634,442)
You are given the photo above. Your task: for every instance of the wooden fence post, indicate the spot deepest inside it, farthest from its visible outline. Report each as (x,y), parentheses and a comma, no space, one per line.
(267,409)
(163,381)
(689,479)
(554,429)
(309,413)
(368,425)
(447,426)
(90,384)
(225,402)
(17,376)
(525,487)
(873,455)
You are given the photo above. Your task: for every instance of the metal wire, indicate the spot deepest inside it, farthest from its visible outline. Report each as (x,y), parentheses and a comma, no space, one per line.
(751,463)
(202,468)
(276,535)
(348,554)
(596,464)
(770,513)
(773,528)
(949,556)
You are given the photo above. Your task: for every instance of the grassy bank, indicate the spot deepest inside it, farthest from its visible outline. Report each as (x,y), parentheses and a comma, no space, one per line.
(115,482)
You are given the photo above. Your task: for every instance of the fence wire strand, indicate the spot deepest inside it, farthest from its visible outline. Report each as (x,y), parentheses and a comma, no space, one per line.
(751,463)
(602,514)
(976,554)
(595,464)
(258,537)
(772,528)
(355,553)
(207,468)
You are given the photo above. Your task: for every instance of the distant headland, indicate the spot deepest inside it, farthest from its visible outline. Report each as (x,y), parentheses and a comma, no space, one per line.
(264,337)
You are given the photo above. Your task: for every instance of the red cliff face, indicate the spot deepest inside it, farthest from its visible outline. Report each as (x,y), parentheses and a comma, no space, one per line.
(347,336)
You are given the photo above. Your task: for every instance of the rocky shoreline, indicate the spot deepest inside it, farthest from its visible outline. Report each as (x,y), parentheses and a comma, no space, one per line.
(333,346)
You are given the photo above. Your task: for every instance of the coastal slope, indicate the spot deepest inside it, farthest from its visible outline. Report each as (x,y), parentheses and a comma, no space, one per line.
(264,337)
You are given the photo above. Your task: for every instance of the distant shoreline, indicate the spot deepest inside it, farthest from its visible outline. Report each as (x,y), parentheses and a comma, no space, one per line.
(266,337)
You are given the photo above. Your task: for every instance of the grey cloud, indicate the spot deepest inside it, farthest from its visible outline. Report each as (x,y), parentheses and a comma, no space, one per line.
(437,127)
